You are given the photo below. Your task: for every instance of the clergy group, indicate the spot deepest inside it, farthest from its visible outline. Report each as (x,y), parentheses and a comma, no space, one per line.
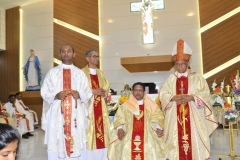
(18,115)
(76,120)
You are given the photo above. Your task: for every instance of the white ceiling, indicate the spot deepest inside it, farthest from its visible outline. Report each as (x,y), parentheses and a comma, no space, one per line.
(6,4)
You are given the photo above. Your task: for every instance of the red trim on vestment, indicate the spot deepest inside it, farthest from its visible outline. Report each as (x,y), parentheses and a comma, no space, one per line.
(138,135)
(18,115)
(184,122)
(6,120)
(67,111)
(98,115)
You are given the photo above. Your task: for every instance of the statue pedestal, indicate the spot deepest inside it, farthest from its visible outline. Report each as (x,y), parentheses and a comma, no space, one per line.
(36,88)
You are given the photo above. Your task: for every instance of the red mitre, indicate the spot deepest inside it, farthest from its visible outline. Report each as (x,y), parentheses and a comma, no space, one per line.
(181,51)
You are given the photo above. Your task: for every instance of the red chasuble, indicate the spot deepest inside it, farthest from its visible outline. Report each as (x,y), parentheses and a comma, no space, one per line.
(184,122)
(98,116)
(67,111)
(138,135)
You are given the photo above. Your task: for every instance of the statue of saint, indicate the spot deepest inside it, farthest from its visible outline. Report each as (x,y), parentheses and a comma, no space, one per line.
(32,72)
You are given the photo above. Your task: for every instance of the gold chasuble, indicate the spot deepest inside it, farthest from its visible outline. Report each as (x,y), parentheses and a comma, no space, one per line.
(139,123)
(67,112)
(99,124)
(187,127)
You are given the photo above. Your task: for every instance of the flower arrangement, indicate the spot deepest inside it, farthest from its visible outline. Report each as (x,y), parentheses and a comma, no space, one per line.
(125,93)
(231,115)
(235,82)
(157,100)
(123,99)
(217,93)
(227,106)
(217,90)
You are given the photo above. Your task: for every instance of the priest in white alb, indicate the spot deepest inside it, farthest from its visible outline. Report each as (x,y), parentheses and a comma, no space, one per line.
(34,114)
(66,93)
(99,124)
(138,129)
(22,123)
(28,115)
(186,101)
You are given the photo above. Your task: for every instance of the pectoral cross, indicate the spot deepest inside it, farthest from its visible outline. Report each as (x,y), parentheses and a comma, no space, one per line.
(182,89)
(146,7)
(183,109)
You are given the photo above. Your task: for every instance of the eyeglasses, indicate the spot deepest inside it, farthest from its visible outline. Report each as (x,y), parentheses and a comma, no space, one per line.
(95,57)
(180,64)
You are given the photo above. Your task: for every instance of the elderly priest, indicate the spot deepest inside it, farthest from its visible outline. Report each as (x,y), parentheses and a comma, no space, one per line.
(186,101)
(138,129)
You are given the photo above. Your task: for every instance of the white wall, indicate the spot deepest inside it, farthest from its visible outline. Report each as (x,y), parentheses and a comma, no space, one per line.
(37,34)
(2,29)
(122,38)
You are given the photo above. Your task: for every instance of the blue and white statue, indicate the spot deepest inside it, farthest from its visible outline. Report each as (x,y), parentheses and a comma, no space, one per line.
(32,72)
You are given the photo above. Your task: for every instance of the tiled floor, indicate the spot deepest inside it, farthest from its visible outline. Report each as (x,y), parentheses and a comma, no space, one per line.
(34,149)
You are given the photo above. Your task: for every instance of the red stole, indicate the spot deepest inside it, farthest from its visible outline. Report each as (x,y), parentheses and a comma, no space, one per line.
(138,135)
(6,120)
(67,111)
(184,122)
(18,115)
(98,116)
(29,111)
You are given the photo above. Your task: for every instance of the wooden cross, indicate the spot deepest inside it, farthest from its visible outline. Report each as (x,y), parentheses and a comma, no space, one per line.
(146,7)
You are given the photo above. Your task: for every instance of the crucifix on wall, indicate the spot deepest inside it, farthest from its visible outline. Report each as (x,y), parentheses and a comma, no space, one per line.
(146,7)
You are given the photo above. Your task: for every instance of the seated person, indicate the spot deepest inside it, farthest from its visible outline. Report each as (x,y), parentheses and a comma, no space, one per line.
(27,114)
(34,114)
(23,124)
(138,129)
(9,142)
(5,117)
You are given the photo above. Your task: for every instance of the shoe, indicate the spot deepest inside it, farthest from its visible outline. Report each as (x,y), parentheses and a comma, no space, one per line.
(29,134)
(220,126)
(35,127)
(25,136)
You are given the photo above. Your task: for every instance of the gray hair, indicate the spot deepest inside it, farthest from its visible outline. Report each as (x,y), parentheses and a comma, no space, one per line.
(88,53)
